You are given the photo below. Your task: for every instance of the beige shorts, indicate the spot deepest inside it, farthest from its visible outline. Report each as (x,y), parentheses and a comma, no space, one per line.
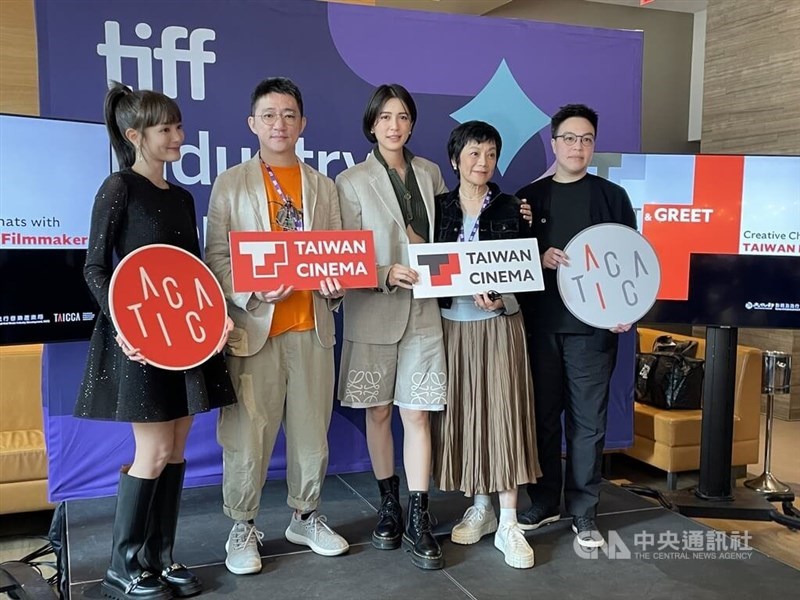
(411,373)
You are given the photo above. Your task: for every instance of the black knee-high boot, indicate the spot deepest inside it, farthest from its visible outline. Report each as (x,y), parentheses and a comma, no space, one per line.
(156,555)
(389,530)
(426,553)
(125,578)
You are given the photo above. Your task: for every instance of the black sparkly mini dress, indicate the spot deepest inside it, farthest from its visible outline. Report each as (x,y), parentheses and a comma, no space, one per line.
(130,212)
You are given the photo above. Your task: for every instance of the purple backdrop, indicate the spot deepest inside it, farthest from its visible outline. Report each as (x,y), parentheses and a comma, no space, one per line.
(210,57)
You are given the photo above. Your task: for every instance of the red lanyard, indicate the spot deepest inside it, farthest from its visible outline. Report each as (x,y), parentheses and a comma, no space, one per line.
(288,216)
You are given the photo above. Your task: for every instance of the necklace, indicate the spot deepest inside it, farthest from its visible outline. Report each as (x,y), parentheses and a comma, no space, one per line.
(479,196)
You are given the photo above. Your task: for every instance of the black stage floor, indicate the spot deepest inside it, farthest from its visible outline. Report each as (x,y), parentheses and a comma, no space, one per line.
(471,572)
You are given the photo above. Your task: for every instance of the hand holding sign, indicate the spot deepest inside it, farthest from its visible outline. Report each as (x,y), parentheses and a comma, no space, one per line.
(225,335)
(331,288)
(484,301)
(613,277)
(274,296)
(402,276)
(132,353)
(554,258)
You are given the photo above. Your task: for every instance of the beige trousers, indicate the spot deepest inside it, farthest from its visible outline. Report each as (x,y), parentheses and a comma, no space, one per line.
(289,381)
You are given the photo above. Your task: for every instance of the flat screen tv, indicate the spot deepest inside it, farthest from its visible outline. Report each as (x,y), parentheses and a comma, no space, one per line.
(51,170)
(726,229)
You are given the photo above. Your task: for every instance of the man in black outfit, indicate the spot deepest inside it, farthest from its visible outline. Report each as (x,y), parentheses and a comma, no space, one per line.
(571,361)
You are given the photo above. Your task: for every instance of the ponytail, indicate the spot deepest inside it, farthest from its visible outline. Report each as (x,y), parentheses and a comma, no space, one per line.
(120,100)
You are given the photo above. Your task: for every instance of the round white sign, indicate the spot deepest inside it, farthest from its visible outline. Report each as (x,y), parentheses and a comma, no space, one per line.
(612,278)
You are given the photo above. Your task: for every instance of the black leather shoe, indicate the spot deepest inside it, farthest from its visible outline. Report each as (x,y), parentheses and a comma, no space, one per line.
(538,516)
(145,586)
(181,581)
(426,553)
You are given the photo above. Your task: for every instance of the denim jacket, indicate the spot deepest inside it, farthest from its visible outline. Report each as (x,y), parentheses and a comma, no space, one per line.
(500,220)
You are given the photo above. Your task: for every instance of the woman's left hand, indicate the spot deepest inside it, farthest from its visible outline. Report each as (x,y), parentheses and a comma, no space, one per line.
(620,328)
(483,302)
(226,334)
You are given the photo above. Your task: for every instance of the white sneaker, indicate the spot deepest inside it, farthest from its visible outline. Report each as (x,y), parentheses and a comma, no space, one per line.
(315,533)
(242,548)
(510,540)
(476,523)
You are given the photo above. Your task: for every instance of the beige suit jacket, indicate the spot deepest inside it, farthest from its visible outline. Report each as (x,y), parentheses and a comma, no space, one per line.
(239,203)
(368,201)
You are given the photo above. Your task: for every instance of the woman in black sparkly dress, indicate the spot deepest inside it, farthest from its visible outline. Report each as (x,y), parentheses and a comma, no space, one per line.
(135,207)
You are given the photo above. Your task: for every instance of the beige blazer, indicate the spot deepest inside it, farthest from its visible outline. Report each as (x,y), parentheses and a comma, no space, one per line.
(368,201)
(239,203)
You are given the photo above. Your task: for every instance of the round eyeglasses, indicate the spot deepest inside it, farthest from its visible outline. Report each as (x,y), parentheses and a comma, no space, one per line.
(270,118)
(586,139)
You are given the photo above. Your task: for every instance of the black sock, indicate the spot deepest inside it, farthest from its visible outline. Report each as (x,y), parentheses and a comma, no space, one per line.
(304,516)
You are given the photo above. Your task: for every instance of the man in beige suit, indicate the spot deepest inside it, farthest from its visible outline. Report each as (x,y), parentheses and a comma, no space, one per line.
(280,353)
(393,353)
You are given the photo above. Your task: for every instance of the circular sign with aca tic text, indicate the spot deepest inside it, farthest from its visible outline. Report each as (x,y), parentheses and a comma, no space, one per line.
(612,278)
(167,303)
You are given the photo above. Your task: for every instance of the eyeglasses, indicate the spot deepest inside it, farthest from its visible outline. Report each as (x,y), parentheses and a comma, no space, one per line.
(586,139)
(270,118)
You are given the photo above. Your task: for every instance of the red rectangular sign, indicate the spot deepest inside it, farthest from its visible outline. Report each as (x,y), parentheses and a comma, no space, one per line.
(262,261)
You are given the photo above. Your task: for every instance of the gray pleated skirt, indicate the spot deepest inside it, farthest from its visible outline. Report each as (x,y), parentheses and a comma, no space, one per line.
(485,440)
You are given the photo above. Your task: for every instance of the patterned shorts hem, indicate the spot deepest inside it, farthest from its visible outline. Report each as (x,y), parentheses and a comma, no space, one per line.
(359,405)
(421,407)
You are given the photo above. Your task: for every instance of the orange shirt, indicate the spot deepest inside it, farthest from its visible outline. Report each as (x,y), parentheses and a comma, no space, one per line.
(295,313)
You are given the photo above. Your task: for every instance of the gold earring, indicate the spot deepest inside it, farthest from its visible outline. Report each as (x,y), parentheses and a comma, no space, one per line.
(139,155)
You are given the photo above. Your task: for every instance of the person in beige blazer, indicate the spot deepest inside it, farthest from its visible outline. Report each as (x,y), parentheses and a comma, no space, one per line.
(280,352)
(393,351)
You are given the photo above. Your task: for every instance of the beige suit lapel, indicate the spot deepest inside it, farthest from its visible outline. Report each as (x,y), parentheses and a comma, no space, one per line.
(310,186)
(380,182)
(254,183)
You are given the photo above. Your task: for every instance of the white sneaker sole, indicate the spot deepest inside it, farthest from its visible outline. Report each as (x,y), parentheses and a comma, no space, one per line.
(242,570)
(588,543)
(301,540)
(541,523)
(466,538)
(517,562)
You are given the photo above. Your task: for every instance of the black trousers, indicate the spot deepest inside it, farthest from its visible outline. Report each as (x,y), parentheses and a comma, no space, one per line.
(571,374)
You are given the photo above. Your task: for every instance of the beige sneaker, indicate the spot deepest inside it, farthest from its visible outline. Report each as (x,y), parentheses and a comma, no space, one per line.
(510,540)
(476,523)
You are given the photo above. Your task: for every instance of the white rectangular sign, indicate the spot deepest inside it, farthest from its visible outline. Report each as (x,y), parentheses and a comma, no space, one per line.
(466,268)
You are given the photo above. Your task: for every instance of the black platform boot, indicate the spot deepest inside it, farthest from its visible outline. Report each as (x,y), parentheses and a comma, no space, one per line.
(156,555)
(125,578)
(388,533)
(426,553)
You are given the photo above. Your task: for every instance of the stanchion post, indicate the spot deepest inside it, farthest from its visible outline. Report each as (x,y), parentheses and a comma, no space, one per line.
(776,378)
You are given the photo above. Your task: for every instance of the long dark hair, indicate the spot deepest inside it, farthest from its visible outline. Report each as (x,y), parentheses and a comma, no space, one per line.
(126,109)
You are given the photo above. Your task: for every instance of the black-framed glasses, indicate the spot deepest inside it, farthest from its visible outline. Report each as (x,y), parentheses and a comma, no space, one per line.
(587,139)
(270,118)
